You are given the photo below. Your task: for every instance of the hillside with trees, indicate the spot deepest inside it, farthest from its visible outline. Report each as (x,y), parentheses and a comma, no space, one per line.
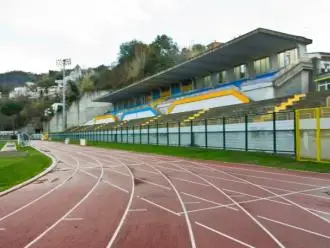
(136,60)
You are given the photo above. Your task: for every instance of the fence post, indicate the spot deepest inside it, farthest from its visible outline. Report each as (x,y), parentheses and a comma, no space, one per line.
(157,139)
(295,136)
(121,134)
(224,132)
(179,133)
(133,134)
(140,134)
(127,135)
(167,135)
(274,132)
(191,134)
(148,134)
(318,134)
(205,131)
(246,134)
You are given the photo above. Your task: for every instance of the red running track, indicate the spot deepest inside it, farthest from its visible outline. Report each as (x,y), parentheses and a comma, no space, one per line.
(107,198)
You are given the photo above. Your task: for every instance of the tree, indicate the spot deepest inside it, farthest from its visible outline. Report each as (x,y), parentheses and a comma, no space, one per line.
(11,109)
(85,85)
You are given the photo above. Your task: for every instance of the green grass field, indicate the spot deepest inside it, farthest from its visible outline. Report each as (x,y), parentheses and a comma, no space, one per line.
(15,170)
(2,143)
(258,158)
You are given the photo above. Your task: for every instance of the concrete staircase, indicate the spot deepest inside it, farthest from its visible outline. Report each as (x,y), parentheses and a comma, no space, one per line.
(194,116)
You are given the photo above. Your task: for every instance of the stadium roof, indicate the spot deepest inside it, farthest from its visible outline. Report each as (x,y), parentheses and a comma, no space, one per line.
(253,45)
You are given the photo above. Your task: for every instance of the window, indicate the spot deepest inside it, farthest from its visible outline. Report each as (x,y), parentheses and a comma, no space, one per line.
(261,65)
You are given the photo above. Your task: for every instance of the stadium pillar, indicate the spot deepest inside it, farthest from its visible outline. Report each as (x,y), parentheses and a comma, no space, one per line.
(231,74)
(274,131)
(273,61)
(250,69)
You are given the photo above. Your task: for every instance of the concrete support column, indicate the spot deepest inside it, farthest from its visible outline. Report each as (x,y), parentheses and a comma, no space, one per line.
(214,78)
(302,51)
(230,75)
(250,70)
(273,61)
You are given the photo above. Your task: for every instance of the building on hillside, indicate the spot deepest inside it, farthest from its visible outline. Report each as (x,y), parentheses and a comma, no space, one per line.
(73,76)
(321,63)
(262,64)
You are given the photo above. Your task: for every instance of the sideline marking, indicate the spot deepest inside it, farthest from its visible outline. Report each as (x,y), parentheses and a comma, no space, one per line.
(184,180)
(73,219)
(157,205)
(138,210)
(213,202)
(225,235)
(233,191)
(294,227)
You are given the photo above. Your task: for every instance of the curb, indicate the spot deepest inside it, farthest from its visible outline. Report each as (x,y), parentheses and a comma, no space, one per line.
(43,173)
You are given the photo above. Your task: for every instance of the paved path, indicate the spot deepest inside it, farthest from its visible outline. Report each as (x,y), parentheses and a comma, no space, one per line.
(107,198)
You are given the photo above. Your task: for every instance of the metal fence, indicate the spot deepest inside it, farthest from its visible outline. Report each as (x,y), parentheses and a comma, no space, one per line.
(273,132)
(313,134)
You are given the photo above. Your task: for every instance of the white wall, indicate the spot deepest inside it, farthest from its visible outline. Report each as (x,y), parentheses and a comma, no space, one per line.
(139,115)
(205,104)
(259,92)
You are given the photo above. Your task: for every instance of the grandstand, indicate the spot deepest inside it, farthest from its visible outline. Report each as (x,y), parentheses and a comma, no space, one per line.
(253,73)
(238,95)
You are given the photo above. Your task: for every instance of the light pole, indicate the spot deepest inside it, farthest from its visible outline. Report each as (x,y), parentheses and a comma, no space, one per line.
(62,63)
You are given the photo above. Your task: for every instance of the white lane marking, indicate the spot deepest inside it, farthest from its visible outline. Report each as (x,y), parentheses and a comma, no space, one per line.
(319,211)
(238,195)
(143,170)
(280,196)
(224,235)
(295,227)
(129,204)
(73,219)
(264,172)
(273,179)
(138,210)
(240,207)
(233,191)
(188,222)
(152,183)
(70,211)
(187,203)
(119,172)
(209,201)
(184,180)
(220,178)
(105,181)
(2,229)
(157,205)
(166,168)
(43,195)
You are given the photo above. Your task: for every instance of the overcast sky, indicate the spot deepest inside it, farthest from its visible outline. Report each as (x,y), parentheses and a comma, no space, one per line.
(34,33)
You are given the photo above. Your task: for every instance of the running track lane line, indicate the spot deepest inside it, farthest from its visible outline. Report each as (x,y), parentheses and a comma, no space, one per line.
(43,195)
(71,210)
(240,207)
(225,235)
(92,175)
(294,227)
(121,223)
(273,193)
(191,233)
